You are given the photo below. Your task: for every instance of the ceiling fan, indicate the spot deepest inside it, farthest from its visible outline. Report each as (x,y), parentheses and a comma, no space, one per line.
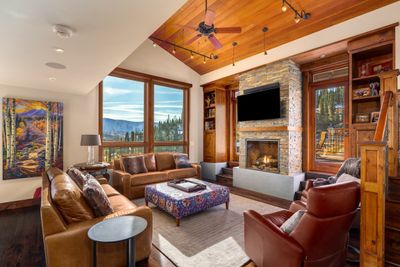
(206,28)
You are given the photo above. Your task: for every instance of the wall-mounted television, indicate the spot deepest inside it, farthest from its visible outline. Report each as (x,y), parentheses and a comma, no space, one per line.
(260,103)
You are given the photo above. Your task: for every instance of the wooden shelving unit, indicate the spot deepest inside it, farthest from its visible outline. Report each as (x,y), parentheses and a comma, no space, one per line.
(214,123)
(371,74)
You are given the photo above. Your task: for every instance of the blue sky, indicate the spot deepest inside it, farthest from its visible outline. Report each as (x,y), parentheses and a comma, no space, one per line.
(124,100)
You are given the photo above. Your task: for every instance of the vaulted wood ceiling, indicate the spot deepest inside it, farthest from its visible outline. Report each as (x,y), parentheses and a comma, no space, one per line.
(252,16)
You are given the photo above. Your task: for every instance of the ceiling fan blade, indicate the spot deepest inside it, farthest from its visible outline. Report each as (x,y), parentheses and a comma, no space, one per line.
(214,41)
(187,27)
(188,42)
(210,17)
(228,30)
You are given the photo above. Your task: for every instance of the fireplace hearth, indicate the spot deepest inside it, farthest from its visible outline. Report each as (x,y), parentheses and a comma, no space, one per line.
(262,155)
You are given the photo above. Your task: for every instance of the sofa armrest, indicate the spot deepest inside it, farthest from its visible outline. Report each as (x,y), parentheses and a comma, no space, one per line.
(72,247)
(102,180)
(309,184)
(117,180)
(267,244)
(198,169)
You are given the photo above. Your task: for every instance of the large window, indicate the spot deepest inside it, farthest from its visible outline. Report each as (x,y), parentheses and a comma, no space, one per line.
(141,113)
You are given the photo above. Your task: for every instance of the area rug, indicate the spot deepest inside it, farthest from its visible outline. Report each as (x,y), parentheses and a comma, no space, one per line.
(212,238)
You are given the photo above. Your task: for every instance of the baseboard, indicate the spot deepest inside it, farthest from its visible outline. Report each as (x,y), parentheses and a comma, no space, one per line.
(19,204)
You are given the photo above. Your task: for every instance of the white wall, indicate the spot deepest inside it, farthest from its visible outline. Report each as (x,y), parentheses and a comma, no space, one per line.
(156,61)
(373,20)
(80,117)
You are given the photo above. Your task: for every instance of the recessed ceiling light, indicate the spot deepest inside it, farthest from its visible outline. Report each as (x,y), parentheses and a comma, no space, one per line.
(55,65)
(58,50)
(52,79)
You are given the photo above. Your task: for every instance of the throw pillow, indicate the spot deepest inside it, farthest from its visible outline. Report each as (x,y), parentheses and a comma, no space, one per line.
(96,197)
(78,176)
(347,178)
(321,181)
(291,223)
(134,165)
(182,161)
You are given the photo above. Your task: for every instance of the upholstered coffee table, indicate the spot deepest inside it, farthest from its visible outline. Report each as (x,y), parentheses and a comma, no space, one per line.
(180,204)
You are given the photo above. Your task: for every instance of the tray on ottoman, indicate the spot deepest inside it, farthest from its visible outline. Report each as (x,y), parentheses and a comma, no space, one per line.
(180,204)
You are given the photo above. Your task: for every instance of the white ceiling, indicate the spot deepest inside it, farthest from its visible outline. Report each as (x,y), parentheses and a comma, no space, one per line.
(107,32)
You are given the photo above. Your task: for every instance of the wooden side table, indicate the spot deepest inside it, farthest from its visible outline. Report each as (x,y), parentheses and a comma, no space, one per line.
(118,229)
(99,168)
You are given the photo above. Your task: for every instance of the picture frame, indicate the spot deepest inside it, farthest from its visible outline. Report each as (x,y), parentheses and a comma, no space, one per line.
(375,116)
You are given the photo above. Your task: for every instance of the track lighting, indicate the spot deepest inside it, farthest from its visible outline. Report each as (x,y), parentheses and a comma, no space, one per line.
(154,45)
(174,51)
(191,55)
(204,60)
(299,15)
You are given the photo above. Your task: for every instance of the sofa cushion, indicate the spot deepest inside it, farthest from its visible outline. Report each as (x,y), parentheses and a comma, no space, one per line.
(53,172)
(69,199)
(148,178)
(347,178)
(79,177)
(165,161)
(181,173)
(134,164)
(117,164)
(110,191)
(96,197)
(182,161)
(120,202)
(150,161)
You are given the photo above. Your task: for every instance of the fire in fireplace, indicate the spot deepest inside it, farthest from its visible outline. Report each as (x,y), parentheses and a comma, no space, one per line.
(262,155)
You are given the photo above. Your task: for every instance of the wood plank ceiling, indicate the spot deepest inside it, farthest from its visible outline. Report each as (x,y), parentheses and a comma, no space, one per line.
(252,16)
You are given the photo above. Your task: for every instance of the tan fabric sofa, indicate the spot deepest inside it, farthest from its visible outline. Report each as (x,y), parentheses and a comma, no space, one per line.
(161,168)
(67,244)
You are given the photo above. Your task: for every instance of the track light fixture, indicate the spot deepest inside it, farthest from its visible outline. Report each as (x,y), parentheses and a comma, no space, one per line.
(176,46)
(154,45)
(298,15)
(204,60)
(265,30)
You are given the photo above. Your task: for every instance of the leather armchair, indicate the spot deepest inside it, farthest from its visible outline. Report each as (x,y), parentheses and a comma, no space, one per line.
(319,239)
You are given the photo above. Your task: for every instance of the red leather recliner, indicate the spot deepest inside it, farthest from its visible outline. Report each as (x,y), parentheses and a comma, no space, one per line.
(320,238)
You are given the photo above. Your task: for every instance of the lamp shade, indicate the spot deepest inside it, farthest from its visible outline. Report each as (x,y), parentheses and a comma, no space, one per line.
(90,140)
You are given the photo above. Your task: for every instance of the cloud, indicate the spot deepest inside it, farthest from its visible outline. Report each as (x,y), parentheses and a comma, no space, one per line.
(117,91)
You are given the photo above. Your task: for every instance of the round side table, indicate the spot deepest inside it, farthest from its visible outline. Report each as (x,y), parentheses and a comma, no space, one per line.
(124,228)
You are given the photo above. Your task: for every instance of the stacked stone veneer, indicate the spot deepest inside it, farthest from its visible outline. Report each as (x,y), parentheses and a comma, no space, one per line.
(288,74)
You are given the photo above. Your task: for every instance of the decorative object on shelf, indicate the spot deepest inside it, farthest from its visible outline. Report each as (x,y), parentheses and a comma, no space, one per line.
(374,88)
(363,70)
(383,67)
(234,44)
(375,116)
(298,15)
(96,169)
(32,137)
(265,30)
(361,92)
(362,118)
(90,140)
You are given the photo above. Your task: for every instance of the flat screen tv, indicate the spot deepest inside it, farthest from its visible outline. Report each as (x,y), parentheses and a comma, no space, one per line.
(261,103)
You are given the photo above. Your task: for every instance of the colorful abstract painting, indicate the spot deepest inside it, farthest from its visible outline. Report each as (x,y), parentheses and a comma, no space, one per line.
(32,137)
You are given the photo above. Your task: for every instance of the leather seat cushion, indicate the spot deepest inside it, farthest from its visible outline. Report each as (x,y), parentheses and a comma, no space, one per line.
(181,173)
(165,161)
(69,199)
(109,190)
(279,217)
(148,178)
(120,202)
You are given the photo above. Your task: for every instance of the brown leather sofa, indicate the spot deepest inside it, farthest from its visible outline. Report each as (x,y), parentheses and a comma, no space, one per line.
(319,239)
(161,168)
(67,244)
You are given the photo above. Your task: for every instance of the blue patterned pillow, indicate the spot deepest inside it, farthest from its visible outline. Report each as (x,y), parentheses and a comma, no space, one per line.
(182,161)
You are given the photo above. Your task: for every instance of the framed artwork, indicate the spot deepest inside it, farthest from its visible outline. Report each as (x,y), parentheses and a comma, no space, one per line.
(32,137)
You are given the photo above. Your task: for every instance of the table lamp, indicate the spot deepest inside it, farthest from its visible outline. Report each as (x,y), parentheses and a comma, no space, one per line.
(90,140)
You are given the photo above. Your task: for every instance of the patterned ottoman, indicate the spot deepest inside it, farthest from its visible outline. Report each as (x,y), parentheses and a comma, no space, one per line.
(180,204)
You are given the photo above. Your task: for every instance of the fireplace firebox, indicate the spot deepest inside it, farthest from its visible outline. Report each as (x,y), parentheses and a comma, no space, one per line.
(262,155)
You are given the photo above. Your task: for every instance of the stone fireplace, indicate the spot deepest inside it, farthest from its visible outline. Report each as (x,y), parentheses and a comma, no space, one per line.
(262,155)
(270,156)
